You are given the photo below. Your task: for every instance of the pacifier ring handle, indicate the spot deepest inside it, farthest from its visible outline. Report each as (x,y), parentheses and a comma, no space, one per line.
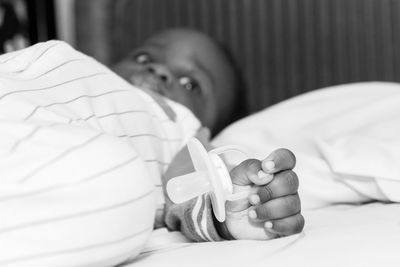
(228,148)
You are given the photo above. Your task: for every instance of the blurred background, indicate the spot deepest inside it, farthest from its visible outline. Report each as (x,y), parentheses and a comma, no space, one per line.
(282,47)
(25,22)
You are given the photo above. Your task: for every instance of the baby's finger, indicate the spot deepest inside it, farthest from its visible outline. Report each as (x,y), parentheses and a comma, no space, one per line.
(286,226)
(277,208)
(284,183)
(278,160)
(249,172)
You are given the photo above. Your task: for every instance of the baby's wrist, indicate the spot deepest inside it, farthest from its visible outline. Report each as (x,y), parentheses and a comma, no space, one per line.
(222,229)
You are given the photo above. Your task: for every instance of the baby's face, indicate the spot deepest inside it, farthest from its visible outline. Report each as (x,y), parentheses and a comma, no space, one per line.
(187,67)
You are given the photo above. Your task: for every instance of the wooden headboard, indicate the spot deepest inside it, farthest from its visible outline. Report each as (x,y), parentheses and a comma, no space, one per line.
(283,47)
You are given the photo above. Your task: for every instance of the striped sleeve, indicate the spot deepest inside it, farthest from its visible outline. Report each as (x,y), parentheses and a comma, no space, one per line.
(195,219)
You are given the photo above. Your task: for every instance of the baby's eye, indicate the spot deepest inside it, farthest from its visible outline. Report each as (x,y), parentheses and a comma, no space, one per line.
(189,84)
(143,58)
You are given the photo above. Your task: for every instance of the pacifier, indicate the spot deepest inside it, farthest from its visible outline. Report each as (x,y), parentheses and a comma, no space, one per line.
(210,176)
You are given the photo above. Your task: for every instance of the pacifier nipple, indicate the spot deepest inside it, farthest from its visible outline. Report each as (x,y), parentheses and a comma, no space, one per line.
(210,176)
(185,187)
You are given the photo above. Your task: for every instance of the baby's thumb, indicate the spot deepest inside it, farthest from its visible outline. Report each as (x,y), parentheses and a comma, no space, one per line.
(249,172)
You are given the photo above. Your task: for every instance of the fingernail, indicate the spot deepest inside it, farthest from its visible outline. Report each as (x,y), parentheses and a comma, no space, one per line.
(269,165)
(262,175)
(252,214)
(254,199)
(268,225)
(265,177)
(254,177)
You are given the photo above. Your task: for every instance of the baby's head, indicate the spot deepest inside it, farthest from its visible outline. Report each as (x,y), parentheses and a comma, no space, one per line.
(188,67)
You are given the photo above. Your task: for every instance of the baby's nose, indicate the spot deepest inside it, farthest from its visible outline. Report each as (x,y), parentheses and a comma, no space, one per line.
(161,72)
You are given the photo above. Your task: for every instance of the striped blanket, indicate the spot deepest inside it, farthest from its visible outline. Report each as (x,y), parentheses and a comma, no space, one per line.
(81,158)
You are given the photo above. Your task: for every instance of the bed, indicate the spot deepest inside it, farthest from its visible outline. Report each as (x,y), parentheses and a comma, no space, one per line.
(285,49)
(347,156)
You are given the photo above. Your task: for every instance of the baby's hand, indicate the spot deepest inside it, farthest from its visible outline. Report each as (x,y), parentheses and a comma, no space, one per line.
(273,207)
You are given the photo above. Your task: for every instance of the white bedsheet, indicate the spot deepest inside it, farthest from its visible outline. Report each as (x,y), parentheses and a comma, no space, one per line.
(340,235)
(346,140)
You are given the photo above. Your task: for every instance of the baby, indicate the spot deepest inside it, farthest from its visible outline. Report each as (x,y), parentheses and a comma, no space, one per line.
(190,68)
(85,156)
